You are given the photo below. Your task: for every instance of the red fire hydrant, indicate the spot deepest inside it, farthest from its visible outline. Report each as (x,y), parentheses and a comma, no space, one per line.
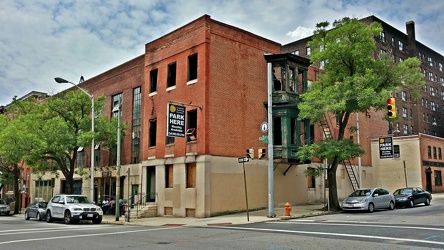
(287,209)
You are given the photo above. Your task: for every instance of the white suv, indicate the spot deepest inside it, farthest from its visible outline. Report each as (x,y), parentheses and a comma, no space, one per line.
(72,208)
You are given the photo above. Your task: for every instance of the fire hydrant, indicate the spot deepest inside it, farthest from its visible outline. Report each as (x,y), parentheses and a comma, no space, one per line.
(287,209)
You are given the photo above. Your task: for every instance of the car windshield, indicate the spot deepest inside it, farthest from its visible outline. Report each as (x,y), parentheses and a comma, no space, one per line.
(362,192)
(77,199)
(2,202)
(403,191)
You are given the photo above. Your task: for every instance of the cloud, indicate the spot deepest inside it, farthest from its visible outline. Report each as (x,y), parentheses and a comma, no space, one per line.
(42,39)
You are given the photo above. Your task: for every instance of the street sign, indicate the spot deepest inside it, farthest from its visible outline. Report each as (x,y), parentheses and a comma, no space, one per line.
(243,159)
(385,147)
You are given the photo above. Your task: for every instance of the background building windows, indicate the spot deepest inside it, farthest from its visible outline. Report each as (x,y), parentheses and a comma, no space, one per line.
(169,176)
(171,80)
(192,67)
(152,133)
(153,80)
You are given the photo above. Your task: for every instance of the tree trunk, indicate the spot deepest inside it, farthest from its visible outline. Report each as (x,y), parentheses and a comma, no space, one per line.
(332,187)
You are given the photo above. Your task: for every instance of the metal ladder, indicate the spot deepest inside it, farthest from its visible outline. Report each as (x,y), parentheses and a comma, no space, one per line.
(347,164)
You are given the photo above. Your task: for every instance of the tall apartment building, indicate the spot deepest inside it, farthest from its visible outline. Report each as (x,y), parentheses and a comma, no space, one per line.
(418,118)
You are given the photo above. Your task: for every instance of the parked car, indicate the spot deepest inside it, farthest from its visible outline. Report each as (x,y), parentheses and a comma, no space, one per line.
(4,208)
(369,199)
(72,208)
(409,197)
(36,210)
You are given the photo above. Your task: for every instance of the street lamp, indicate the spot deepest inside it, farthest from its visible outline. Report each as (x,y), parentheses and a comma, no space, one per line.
(61,80)
(118,109)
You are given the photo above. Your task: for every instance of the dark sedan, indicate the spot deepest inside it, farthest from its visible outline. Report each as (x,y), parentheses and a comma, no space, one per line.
(409,197)
(36,210)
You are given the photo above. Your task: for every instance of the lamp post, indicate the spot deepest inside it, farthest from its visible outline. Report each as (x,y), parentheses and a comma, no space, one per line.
(61,80)
(118,108)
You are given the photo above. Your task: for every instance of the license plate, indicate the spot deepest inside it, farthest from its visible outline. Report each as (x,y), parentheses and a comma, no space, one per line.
(90,215)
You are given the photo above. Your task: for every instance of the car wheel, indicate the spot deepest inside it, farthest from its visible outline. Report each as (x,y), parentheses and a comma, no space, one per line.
(96,221)
(371,207)
(48,216)
(67,217)
(427,202)
(26,215)
(411,203)
(37,216)
(392,205)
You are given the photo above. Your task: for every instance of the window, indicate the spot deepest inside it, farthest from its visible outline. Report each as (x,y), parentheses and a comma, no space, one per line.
(432,106)
(429,59)
(191,125)
(296,52)
(277,131)
(406,129)
(169,140)
(440,67)
(308,51)
(439,154)
(311,180)
(404,112)
(434,153)
(393,41)
(401,46)
(191,175)
(411,114)
(153,80)
(396,151)
(441,79)
(404,96)
(429,152)
(192,67)
(97,155)
(382,36)
(116,101)
(171,80)
(135,138)
(153,133)
(434,121)
(80,161)
(169,176)
(438,178)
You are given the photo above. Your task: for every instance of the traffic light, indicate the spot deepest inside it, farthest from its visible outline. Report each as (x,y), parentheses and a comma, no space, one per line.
(250,153)
(391,107)
(261,153)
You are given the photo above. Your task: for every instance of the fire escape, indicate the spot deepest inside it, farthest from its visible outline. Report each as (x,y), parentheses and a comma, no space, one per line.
(325,125)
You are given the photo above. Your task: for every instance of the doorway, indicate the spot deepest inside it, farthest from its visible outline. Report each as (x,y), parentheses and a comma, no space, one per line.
(428,172)
(151,184)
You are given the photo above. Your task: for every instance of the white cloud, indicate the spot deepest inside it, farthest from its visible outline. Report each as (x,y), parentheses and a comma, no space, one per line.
(42,39)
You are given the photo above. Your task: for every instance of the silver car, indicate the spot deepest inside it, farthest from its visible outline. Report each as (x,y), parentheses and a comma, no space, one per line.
(369,199)
(72,208)
(4,208)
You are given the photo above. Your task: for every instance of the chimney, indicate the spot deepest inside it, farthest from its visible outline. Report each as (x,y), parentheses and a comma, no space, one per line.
(411,40)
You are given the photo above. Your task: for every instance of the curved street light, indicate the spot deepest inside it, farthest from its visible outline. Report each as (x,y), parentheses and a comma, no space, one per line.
(61,80)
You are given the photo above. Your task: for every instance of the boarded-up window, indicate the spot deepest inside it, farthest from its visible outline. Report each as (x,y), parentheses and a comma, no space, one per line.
(191,175)
(168,176)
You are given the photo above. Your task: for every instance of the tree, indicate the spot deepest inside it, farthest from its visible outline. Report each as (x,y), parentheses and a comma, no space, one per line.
(60,125)
(356,79)
(14,144)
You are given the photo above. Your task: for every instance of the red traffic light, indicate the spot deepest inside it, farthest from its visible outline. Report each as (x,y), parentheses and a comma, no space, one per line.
(391,101)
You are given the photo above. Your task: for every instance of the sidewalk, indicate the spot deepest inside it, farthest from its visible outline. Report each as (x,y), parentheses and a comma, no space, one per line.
(298,211)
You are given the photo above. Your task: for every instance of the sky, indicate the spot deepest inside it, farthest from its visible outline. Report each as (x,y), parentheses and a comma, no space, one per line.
(43,39)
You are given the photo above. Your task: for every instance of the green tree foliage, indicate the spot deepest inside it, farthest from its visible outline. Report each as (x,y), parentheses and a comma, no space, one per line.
(57,127)
(356,78)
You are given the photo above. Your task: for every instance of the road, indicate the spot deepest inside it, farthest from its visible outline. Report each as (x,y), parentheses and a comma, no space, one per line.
(412,228)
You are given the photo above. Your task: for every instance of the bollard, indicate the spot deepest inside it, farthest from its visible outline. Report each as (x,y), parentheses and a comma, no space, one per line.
(287,209)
